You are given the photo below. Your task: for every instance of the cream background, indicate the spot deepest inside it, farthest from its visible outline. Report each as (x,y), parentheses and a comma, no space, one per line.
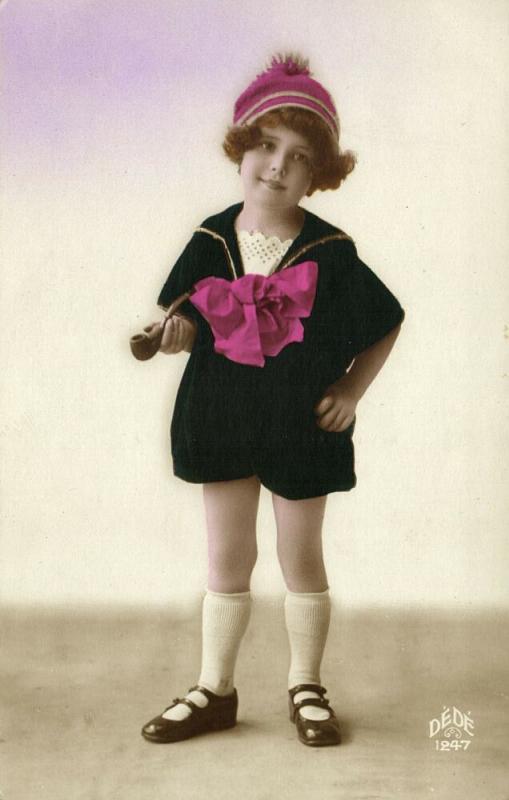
(101,189)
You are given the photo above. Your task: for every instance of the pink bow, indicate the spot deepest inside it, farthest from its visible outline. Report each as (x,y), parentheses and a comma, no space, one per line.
(256,316)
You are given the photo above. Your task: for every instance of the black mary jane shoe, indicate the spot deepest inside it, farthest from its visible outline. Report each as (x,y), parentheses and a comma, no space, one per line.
(314,732)
(218,714)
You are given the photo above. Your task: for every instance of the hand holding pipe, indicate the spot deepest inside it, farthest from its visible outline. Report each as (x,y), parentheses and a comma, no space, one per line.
(146,344)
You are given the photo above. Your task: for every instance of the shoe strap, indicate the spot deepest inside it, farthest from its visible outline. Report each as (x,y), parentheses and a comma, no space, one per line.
(320,702)
(210,695)
(307,687)
(188,702)
(177,700)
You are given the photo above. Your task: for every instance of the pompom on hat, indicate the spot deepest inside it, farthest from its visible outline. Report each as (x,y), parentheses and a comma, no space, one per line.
(286,82)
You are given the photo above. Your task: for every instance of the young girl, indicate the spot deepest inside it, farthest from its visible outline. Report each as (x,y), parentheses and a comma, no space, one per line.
(286,328)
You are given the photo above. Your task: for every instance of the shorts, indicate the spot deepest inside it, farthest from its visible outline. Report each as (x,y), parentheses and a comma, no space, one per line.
(293,468)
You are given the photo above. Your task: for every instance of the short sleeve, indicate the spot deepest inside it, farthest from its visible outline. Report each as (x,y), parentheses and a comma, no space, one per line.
(375,311)
(180,280)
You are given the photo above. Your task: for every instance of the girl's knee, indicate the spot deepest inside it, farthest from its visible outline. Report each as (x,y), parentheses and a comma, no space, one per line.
(233,565)
(230,576)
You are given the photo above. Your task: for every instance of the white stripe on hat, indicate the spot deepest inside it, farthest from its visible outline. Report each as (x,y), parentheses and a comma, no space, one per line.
(254,111)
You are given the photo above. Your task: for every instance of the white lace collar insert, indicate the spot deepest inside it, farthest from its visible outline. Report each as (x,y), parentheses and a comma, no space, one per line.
(261,253)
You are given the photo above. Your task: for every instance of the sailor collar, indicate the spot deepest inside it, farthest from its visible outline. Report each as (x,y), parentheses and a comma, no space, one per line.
(315,231)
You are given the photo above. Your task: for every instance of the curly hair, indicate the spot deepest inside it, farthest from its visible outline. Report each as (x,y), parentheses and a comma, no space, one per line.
(329,165)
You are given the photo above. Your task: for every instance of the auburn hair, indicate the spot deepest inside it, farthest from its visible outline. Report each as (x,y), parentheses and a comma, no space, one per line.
(329,165)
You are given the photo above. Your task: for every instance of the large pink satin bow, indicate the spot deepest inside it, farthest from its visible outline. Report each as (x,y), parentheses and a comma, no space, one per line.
(256,316)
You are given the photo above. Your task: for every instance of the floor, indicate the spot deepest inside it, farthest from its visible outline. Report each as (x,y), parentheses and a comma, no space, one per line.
(78,684)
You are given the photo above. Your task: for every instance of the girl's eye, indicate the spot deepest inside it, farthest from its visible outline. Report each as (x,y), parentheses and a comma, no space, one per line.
(266,145)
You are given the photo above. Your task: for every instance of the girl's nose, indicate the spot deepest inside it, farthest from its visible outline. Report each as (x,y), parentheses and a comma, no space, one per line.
(278,163)
(278,167)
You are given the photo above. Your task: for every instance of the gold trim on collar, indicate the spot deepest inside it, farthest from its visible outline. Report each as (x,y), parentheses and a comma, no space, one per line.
(331,237)
(223,242)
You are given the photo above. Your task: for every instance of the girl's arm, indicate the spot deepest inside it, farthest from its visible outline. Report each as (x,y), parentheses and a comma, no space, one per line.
(336,409)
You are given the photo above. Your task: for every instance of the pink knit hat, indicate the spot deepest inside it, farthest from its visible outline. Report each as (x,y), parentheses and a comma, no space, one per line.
(287,82)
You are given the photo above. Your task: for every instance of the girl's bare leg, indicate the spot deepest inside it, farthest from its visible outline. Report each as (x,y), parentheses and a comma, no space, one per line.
(307,602)
(231,508)
(299,542)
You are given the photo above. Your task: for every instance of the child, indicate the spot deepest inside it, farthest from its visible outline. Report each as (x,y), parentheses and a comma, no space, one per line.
(286,328)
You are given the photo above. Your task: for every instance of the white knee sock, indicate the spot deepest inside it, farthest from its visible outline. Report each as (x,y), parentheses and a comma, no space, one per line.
(224,621)
(307,616)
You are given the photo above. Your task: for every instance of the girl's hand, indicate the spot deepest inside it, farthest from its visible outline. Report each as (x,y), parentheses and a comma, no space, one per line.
(179,334)
(336,409)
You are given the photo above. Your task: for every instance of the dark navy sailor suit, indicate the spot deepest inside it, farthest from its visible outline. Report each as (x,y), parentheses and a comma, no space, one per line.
(235,420)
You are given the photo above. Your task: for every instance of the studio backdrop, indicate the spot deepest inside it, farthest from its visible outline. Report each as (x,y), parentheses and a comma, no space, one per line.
(114,115)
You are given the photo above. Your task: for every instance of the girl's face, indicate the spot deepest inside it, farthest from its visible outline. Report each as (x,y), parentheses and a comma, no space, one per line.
(276,173)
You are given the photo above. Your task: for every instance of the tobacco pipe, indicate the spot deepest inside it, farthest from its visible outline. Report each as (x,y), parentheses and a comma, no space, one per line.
(146,344)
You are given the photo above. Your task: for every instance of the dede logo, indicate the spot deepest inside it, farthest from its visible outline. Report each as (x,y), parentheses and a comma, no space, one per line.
(450,729)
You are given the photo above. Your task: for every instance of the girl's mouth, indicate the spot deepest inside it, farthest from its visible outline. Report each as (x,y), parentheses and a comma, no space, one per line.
(273,185)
